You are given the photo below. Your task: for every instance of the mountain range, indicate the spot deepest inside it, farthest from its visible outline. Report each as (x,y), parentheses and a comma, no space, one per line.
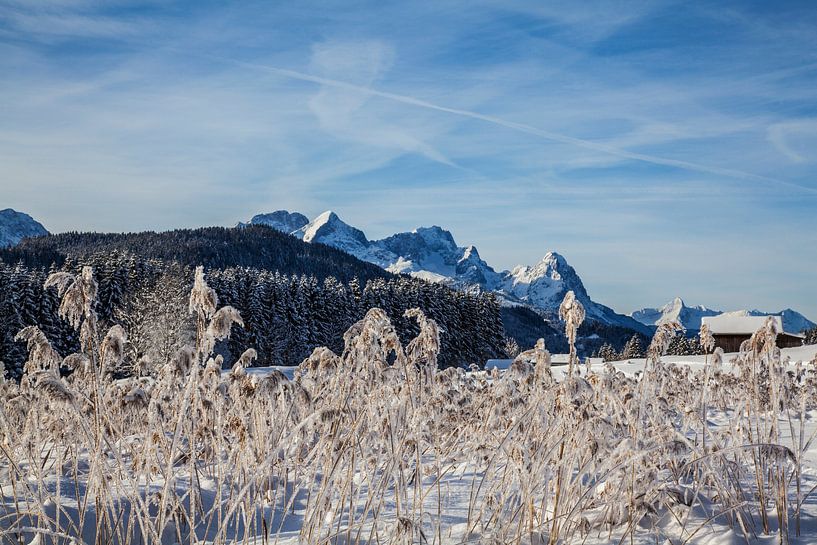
(690,317)
(15,226)
(431,253)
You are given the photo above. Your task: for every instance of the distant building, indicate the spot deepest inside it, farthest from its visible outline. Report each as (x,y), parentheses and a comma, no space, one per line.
(730,331)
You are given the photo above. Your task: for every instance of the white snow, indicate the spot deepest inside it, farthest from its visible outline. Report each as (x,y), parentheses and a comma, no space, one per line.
(555,360)
(738,324)
(802,354)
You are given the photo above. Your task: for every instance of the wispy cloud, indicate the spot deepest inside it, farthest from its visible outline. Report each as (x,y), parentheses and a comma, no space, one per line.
(340,108)
(329,112)
(795,139)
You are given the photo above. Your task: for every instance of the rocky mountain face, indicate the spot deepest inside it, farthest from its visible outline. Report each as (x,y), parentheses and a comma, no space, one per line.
(674,311)
(15,226)
(432,253)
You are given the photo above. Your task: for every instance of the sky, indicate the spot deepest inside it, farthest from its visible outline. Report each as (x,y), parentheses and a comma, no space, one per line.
(664,148)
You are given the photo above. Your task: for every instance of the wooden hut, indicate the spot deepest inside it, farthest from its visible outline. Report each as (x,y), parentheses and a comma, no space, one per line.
(730,331)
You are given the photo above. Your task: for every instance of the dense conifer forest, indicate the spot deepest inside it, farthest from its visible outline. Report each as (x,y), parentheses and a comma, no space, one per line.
(292,296)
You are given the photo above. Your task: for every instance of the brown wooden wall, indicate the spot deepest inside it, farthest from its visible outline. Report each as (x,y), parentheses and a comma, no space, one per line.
(788,341)
(731,343)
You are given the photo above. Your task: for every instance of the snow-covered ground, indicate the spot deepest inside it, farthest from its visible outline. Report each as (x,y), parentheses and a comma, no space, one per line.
(450,498)
(354,451)
(803,354)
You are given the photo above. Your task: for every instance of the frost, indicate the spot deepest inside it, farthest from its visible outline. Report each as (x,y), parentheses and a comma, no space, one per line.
(571,312)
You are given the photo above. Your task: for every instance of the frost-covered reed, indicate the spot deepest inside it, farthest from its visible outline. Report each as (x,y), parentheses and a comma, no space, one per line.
(377,445)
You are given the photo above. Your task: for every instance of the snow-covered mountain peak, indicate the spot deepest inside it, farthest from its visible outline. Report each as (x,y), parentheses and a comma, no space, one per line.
(329,229)
(471,269)
(546,282)
(15,226)
(437,237)
(674,311)
(281,220)
(552,266)
(323,219)
(326,217)
(544,285)
(554,258)
(470,253)
(432,253)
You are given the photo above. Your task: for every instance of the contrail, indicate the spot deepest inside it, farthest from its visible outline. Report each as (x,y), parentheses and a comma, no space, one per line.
(520,127)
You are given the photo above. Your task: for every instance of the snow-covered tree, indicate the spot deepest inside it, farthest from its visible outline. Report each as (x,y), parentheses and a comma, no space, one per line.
(607,352)
(633,349)
(157,320)
(511,347)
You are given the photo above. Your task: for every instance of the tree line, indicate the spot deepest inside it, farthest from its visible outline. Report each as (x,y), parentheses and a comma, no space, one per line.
(680,345)
(285,315)
(255,246)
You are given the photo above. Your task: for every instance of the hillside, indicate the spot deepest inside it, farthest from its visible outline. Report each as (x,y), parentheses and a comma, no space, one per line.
(293,296)
(212,247)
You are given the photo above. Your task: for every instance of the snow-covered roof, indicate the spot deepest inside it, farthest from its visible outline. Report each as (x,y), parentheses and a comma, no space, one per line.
(499,364)
(555,359)
(726,324)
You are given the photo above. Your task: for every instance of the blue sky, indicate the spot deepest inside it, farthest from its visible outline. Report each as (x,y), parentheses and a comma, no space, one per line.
(665,148)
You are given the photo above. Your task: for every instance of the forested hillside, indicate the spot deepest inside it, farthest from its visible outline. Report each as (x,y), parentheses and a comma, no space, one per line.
(212,247)
(292,296)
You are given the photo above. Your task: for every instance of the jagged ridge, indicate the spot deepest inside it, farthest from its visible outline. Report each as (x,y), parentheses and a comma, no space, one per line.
(432,253)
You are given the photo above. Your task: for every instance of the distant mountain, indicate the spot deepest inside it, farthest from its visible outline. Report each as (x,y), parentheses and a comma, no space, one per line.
(431,253)
(544,285)
(281,220)
(330,230)
(674,311)
(15,226)
(690,317)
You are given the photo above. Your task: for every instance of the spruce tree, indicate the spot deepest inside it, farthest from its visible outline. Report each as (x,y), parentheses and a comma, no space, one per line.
(633,349)
(607,352)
